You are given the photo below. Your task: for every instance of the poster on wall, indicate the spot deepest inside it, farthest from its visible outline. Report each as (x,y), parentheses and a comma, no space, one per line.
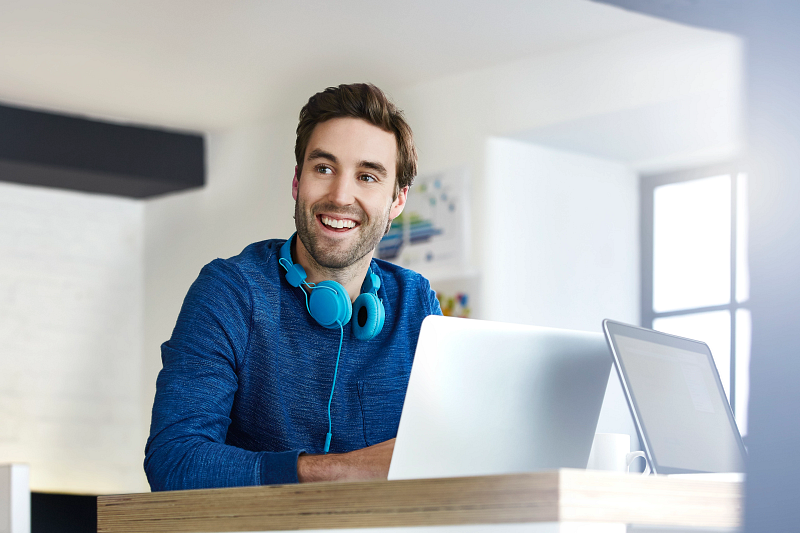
(431,234)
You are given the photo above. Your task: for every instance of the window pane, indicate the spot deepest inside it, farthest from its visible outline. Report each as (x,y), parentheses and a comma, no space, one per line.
(742,227)
(743,330)
(713,328)
(692,244)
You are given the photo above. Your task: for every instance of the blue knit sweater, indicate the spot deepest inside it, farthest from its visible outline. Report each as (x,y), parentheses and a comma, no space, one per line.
(247,374)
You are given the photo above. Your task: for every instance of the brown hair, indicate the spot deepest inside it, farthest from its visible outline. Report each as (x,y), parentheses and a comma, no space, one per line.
(367,102)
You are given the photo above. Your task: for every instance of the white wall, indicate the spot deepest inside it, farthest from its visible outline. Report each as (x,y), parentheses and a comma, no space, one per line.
(453,116)
(15,499)
(71,338)
(565,232)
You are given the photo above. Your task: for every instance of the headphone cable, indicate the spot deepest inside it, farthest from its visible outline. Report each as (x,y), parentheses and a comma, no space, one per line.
(335,372)
(311,286)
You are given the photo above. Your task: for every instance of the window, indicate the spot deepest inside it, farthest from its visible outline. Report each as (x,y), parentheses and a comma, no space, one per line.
(695,281)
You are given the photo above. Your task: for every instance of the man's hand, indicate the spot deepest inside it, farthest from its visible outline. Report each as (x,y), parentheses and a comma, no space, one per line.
(366,464)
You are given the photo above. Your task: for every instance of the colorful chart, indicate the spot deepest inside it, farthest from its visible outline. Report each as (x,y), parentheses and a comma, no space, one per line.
(431,230)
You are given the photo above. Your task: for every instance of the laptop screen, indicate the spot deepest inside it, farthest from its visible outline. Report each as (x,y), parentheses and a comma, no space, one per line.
(678,401)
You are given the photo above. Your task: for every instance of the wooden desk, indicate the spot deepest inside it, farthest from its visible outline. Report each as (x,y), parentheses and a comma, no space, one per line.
(557,496)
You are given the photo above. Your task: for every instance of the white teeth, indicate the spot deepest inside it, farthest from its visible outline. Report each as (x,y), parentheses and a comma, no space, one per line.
(328,221)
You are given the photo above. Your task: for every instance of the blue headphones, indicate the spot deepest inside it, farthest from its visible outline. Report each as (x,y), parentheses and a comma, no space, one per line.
(330,307)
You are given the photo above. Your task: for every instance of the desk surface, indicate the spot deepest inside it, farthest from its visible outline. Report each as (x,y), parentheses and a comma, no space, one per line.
(563,495)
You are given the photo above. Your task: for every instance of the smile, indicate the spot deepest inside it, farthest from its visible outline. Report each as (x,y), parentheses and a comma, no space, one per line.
(337,223)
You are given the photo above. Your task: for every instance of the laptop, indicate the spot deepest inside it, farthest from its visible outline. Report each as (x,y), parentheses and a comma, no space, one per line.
(494,398)
(677,400)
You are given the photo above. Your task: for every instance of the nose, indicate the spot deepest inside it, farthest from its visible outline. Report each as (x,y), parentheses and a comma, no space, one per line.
(341,190)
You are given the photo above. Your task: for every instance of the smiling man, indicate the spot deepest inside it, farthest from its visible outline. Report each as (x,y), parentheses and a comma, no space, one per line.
(289,362)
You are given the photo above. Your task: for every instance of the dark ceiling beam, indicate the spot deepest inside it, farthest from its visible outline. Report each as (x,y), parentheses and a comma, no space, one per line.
(67,152)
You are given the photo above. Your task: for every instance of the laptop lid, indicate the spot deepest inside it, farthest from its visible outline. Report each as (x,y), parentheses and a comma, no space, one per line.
(493,398)
(679,406)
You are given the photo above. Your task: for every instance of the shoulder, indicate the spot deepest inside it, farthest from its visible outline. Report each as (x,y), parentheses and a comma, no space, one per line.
(399,277)
(250,262)
(407,298)
(408,288)
(254,256)
(237,275)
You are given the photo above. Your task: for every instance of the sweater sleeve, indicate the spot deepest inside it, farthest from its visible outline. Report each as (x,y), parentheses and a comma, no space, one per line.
(434,308)
(195,392)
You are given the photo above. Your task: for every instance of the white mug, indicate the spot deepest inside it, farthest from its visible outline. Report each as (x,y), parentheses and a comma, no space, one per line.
(612,451)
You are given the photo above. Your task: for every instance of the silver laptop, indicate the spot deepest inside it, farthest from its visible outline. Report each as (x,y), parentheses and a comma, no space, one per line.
(677,400)
(493,398)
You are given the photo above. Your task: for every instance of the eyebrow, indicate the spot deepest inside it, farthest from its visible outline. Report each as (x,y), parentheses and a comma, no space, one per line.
(375,166)
(321,154)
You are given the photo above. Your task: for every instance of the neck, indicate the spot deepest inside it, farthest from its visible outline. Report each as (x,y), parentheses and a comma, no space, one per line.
(350,277)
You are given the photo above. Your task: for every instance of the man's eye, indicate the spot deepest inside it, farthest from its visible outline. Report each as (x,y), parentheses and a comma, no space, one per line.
(323,169)
(368,178)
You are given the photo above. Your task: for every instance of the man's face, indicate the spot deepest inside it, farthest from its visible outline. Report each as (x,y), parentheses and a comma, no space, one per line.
(344,197)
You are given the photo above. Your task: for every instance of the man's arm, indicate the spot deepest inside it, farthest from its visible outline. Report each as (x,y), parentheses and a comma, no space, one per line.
(366,464)
(195,392)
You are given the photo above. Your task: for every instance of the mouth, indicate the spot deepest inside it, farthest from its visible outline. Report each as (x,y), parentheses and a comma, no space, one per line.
(337,225)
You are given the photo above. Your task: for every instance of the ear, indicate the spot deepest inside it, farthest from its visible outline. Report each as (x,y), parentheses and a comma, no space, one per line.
(399,203)
(295,184)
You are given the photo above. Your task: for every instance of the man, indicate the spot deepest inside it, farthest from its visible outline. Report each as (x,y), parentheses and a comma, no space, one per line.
(254,388)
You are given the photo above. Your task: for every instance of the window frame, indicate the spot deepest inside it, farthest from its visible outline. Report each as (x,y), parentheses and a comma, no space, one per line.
(647,186)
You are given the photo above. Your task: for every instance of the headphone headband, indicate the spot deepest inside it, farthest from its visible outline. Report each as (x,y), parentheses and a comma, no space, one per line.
(331,307)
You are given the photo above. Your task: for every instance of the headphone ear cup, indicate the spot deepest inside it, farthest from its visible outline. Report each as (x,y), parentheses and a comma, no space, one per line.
(329,304)
(369,316)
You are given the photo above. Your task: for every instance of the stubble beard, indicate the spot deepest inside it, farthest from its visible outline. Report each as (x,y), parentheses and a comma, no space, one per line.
(334,257)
